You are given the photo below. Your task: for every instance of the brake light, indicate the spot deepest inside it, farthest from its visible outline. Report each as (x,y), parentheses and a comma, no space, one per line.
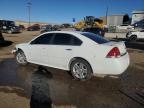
(114,53)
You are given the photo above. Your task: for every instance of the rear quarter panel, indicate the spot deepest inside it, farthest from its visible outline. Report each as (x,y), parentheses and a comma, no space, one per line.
(94,53)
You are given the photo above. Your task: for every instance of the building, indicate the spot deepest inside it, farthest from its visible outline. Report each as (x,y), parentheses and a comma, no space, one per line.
(26,24)
(137,16)
(115,20)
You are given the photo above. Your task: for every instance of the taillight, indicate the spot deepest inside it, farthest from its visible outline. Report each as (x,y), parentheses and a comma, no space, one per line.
(113,53)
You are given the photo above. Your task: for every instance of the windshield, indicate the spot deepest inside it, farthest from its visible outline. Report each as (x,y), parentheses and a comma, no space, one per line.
(98,39)
(10,23)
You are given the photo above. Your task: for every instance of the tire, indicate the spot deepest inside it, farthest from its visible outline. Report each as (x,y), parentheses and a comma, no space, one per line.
(9,31)
(133,38)
(21,58)
(80,69)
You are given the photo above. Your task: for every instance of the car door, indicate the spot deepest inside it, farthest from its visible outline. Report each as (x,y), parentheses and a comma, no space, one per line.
(61,50)
(141,34)
(38,49)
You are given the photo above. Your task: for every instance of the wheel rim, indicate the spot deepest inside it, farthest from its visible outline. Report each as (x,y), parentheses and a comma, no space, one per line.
(9,31)
(21,58)
(80,70)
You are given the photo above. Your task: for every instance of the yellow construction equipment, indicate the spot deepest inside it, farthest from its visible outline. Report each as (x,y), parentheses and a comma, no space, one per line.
(91,24)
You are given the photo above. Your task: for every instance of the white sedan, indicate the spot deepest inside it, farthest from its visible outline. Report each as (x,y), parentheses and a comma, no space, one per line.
(125,27)
(83,53)
(134,35)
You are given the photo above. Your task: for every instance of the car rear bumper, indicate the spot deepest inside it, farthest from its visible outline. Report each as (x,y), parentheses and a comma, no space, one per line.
(113,66)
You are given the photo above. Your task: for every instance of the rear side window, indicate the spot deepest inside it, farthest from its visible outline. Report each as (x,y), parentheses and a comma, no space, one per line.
(44,39)
(66,39)
(62,39)
(76,41)
(98,39)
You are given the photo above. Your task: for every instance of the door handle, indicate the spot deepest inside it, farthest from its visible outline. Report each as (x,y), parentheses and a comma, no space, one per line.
(68,49)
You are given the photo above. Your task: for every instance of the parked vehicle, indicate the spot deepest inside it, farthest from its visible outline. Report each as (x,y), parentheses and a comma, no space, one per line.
(46,28)
(139,24)
(83,53)
(22,27)
(1,38)
(56,28)
(35,27)
(134,35)
(66,25)
(4,42)
(9,27)
(95,31)
(125,27)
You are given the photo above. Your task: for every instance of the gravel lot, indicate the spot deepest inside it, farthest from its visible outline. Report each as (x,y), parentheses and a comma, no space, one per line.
(25,86)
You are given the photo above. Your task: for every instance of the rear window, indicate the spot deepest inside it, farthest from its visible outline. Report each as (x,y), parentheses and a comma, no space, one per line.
(98,39)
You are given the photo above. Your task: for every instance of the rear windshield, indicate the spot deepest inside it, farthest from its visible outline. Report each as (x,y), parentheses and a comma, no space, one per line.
(98,39)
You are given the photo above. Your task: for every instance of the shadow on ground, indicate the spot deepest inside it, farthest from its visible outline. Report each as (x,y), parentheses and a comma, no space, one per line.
(48,87)
(5,43)
(40,97)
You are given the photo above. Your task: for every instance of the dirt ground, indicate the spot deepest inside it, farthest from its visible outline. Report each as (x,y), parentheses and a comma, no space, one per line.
(30,86)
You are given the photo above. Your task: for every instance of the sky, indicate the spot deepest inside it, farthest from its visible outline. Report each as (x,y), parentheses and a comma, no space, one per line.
(62,11)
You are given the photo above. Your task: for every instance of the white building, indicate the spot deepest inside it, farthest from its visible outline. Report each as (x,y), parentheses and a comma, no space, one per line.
(137,16)
(115,20)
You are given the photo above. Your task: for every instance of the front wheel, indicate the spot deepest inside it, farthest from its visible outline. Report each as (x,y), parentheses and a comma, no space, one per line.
(21,58)
(81,69)
(9,31)
(133,38)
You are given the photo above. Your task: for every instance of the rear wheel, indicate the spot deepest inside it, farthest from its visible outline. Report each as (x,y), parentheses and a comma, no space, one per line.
(81,69)
(21,58)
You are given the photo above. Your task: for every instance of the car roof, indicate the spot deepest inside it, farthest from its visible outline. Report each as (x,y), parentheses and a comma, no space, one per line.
(69,32)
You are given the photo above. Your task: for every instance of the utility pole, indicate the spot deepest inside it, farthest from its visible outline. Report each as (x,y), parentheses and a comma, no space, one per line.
(29,11)
(107,14)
